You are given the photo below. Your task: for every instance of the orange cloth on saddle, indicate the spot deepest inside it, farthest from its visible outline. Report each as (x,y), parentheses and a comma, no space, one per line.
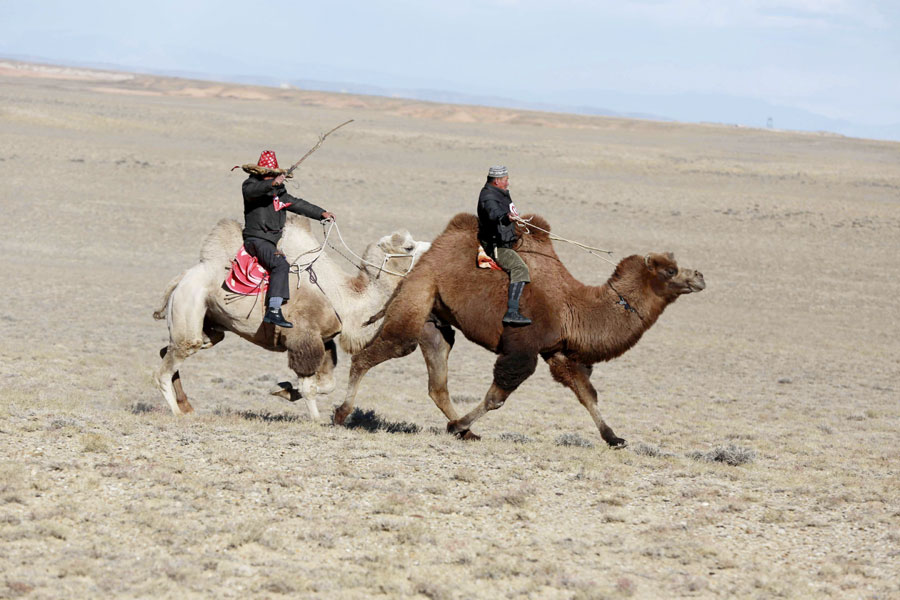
(485,261)
(247,276)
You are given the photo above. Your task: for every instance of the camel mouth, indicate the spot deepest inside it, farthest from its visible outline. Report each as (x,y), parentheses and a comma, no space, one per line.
(690,281)
(695,283)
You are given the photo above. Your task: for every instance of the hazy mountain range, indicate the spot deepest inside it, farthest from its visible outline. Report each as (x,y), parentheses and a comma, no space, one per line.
(686,107)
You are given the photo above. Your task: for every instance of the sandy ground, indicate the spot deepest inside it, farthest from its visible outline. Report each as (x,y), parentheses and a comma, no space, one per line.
(789,358)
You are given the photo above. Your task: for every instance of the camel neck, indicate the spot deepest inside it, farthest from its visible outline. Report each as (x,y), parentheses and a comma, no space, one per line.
(609,319)
(623,302)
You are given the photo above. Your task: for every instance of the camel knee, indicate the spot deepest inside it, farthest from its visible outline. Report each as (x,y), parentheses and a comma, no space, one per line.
(492,402)
(511,370)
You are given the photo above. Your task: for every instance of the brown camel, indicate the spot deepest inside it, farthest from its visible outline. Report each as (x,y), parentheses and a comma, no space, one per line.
(574,325)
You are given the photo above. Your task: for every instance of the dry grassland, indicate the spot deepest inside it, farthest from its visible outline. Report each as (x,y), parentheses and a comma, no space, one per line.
(762,414)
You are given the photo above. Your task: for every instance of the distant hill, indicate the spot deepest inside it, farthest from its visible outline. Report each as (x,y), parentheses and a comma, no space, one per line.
(688,108)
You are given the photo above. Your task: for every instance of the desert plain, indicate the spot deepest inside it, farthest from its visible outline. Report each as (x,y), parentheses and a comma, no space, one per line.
(762,414)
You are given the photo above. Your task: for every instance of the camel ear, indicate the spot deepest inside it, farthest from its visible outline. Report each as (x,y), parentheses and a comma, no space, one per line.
(399,239)
(385,243)
(670,256)
(647,261)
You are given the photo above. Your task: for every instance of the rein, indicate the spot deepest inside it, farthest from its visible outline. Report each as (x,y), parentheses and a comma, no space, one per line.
(624,303)
(381,268)
(527,225)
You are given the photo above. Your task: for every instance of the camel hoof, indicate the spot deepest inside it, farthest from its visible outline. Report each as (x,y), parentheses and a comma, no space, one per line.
(287,391)
(462,434)
(339,416)
(617,443)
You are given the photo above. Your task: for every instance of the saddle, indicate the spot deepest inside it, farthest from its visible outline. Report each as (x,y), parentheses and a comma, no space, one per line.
(246,277)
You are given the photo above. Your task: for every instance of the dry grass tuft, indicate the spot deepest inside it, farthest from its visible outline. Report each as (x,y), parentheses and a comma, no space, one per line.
(517,497)
(573,439)
(248,532)
(94,442)
(650,450)
(730,455)
(516,438)
(466,399)
(141,408)
(465,474)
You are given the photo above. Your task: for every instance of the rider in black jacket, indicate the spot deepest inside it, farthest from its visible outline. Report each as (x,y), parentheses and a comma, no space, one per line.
(265,203)
(497,235)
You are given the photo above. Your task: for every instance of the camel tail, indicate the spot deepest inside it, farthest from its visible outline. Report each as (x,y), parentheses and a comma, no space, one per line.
(160,313)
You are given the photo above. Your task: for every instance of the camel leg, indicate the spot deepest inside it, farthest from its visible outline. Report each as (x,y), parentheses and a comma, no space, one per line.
(306,354)
(510,371)
(397,337)
(576,377)
(325,381)
(168,380)
(211,337)
(435,344)
(185,315)
(309,390)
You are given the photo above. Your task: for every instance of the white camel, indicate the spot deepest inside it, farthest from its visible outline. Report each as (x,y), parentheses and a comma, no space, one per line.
(326,303)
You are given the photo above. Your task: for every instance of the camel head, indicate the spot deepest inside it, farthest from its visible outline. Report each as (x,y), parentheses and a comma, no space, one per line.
(668,280)
(397,252)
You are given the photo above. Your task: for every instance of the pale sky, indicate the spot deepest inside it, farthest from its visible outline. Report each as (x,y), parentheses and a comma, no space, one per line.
(836,58)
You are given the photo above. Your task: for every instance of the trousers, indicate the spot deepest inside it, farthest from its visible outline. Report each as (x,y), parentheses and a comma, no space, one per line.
(275,264)
(513,264)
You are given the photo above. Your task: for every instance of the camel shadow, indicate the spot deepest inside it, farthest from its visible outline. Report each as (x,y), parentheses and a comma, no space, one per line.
(368,420)
(265,416)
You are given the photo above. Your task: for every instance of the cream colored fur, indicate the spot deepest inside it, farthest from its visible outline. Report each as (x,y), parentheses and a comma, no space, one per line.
(198,311)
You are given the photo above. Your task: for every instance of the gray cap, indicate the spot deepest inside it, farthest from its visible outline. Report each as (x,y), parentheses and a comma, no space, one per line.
(498,171)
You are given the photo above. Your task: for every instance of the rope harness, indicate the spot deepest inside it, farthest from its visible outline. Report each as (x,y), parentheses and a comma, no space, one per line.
(297,267)
(527,225)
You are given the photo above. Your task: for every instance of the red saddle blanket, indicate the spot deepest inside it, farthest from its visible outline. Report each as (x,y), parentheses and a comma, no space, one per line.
(247,276)
(485,261)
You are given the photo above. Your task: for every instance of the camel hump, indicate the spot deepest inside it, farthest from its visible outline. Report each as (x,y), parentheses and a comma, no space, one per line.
(462,222)
(462,232)
(539,222)
(469,222)
(222,242)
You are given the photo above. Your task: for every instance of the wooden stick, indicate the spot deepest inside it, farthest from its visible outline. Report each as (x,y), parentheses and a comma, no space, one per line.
(316,147)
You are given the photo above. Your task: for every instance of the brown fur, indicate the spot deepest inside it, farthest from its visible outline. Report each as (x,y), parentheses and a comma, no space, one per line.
(574,325)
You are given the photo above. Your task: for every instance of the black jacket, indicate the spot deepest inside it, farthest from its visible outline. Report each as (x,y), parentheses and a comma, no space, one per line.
(494,227)
(261,220)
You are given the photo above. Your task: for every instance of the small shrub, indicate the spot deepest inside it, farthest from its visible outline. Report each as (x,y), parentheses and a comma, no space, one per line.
(516,438)
(465,474)
(730,455)
(140,408)
(94,442)
(642,449)
(573,439)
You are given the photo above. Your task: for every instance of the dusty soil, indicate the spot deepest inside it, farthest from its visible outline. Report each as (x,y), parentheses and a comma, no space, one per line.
(786,368)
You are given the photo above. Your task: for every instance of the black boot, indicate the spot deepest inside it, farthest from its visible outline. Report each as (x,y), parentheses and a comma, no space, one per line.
(274,316)
(512,316)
